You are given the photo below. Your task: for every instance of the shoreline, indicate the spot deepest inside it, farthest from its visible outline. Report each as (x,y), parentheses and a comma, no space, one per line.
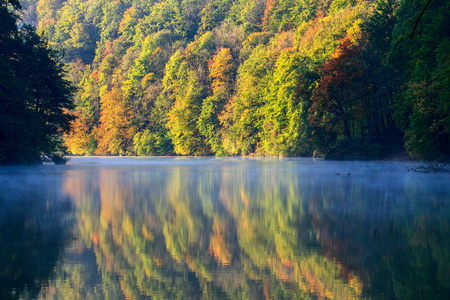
(402,156)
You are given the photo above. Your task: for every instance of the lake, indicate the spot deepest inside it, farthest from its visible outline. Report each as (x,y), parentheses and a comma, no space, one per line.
(190,228)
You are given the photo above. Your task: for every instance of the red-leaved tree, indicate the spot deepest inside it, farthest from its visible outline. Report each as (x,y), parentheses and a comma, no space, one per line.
(338,102)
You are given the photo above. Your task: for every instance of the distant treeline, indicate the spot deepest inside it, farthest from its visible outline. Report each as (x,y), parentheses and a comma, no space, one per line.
(352,79)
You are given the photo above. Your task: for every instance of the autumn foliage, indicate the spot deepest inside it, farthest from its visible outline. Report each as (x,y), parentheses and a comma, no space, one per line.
(338,102)
(116,130)
(263,77)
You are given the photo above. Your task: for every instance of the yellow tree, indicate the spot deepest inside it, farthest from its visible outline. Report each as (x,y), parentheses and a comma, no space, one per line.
(116,130)
(221,72)
(80,140)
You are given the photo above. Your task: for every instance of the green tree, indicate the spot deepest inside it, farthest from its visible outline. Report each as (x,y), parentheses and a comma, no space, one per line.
(422,109)
(241,117)
(382,80)
(286,130)
(191,87)
(282,15)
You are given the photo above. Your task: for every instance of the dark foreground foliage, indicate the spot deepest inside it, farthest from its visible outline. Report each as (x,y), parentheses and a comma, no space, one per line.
(34,95)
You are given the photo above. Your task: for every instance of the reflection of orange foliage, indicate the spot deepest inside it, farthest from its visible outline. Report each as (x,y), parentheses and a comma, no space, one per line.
(355,283)
(331,247)
(218,247)
(117,235)
(147,234)
(49,291)
(123,287)
(245,224)
(112,197)
(287,263)
(352,279)
(284,270)
(108,260)
(315,286)
(157,261)
(190,263)
(319,289)
(266,290)
(227,199)
(95,238)
(287,266)
(244,198)
(75,186)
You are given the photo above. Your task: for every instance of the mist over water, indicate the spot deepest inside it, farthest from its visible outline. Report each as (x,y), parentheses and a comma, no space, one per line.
(137,228)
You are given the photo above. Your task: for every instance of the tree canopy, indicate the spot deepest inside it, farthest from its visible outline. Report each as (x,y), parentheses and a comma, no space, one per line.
(338,78)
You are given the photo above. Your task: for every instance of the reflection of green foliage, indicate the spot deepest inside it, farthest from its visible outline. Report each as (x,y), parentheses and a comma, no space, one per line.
(212,232)
(421,270)
(269,235)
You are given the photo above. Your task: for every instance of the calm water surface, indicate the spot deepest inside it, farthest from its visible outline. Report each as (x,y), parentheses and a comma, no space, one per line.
(190,228)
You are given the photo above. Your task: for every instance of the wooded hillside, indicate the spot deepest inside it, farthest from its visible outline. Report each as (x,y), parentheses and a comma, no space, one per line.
(352,79)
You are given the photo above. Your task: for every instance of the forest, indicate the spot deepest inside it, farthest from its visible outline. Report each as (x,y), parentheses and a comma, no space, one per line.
(342,79)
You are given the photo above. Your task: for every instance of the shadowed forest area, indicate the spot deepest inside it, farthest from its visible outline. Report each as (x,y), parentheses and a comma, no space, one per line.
(343,79)
(34,95)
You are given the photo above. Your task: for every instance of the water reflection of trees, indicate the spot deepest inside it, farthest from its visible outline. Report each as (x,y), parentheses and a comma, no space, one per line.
(35,228)
(196,232)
